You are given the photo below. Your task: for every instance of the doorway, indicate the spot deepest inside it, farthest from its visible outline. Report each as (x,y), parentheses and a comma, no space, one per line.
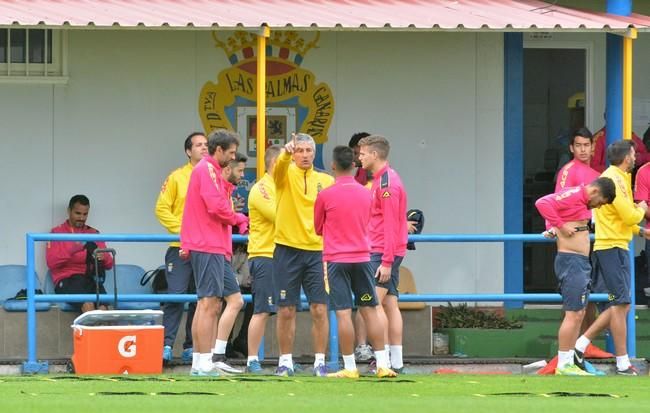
(555,90)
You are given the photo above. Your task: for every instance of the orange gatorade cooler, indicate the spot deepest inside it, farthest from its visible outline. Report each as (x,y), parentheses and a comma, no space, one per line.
(118,342)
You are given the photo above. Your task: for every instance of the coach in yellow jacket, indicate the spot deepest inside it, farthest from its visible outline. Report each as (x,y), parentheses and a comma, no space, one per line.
(298,255)
(615,225)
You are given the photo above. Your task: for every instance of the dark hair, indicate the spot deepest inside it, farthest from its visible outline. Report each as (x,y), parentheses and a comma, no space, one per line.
(378,144)
(188,140)
(617,151)
(270,154)
(343,157)
(354,140)
(239,157)
(606,187)
(583,132)
(78,199)
(222,138)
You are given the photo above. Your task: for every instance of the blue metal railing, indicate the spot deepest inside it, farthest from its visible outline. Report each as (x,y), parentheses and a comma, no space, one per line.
(33,366)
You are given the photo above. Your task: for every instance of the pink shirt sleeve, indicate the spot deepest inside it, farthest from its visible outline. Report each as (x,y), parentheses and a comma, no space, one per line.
(319,214)
(217,204)
(641,185)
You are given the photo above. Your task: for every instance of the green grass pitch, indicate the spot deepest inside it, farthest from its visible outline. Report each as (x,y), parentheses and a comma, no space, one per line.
(408,394)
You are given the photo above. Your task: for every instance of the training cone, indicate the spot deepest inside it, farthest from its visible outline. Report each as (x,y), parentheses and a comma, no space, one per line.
(549,368)
(593,352)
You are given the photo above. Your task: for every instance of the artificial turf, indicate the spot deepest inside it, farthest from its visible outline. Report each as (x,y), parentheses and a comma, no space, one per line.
(412,393)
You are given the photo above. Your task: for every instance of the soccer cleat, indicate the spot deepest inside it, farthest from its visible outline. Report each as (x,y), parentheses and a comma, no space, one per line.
(194,372)
(384,372)
(630,371)
(254,367)
(401,370)
(284,371)
(363,352)
(372,366)
(213,372)
(221,363)
(187,355)
(345,374)
(571,370)
(579,359)
(320,371)
(167,354)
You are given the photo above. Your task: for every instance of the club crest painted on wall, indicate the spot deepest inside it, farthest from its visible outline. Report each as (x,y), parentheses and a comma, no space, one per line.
(296,102)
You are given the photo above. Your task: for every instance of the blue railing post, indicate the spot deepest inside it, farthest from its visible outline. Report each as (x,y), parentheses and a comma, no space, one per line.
(31,365)
(333,363)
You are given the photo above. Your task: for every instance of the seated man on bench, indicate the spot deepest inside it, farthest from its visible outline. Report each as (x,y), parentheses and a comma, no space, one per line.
(71,262)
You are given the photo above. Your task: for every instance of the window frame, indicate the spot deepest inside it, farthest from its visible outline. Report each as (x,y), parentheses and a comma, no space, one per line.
(27,72)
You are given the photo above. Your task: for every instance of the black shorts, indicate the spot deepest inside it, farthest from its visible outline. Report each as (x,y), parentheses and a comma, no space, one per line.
(208,272)
(230,284)
(392,284)
(573,273)
(265,295)
(347,278)
(293,268)
(78,284)
(612,267)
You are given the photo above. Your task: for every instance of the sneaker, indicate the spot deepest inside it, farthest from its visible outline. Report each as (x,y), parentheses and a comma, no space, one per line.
(284,371)
(630,371)
(363,352)
(187,355)
(254,367)
(385,372)
(194,372)
(372,366)
(221,363)
(571,370)
(345,374)
(320,370)
(213,372)
(167,354)
(646,291)
(298,368)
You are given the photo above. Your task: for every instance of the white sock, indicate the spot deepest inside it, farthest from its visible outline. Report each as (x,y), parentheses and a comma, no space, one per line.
(623,362)
(319,358)
(220,346)
(205,361)
(251,358)
(396,356)
(195,361)
(349,363)
(564,359)
(286,360)
(582,343)
(387,349)
(381,357)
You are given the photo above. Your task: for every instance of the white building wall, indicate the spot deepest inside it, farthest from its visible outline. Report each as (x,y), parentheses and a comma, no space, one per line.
(116,130)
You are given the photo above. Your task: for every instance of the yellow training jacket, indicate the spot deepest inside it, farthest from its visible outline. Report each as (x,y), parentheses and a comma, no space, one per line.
(171,201)
(617,222)
(261,213)
(296,191)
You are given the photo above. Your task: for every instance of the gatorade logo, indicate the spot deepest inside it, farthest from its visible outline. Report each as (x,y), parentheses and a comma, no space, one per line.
(126,347)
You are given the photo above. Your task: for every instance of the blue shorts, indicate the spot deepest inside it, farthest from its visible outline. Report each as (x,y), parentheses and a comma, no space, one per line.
(230,284)
(293,268)
(573,273)
(347,278)
(264,293)
(178,271)
(208,273)
(612,267)
(392,284)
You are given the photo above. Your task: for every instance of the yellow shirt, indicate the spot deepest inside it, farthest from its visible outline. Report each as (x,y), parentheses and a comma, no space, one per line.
(296,191)
(261,212)
(171,201)
(617,222)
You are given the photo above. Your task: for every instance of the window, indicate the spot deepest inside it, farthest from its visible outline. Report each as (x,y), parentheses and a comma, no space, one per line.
(32,54)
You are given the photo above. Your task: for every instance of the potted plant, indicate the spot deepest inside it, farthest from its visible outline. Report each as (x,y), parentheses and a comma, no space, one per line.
(476,332)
